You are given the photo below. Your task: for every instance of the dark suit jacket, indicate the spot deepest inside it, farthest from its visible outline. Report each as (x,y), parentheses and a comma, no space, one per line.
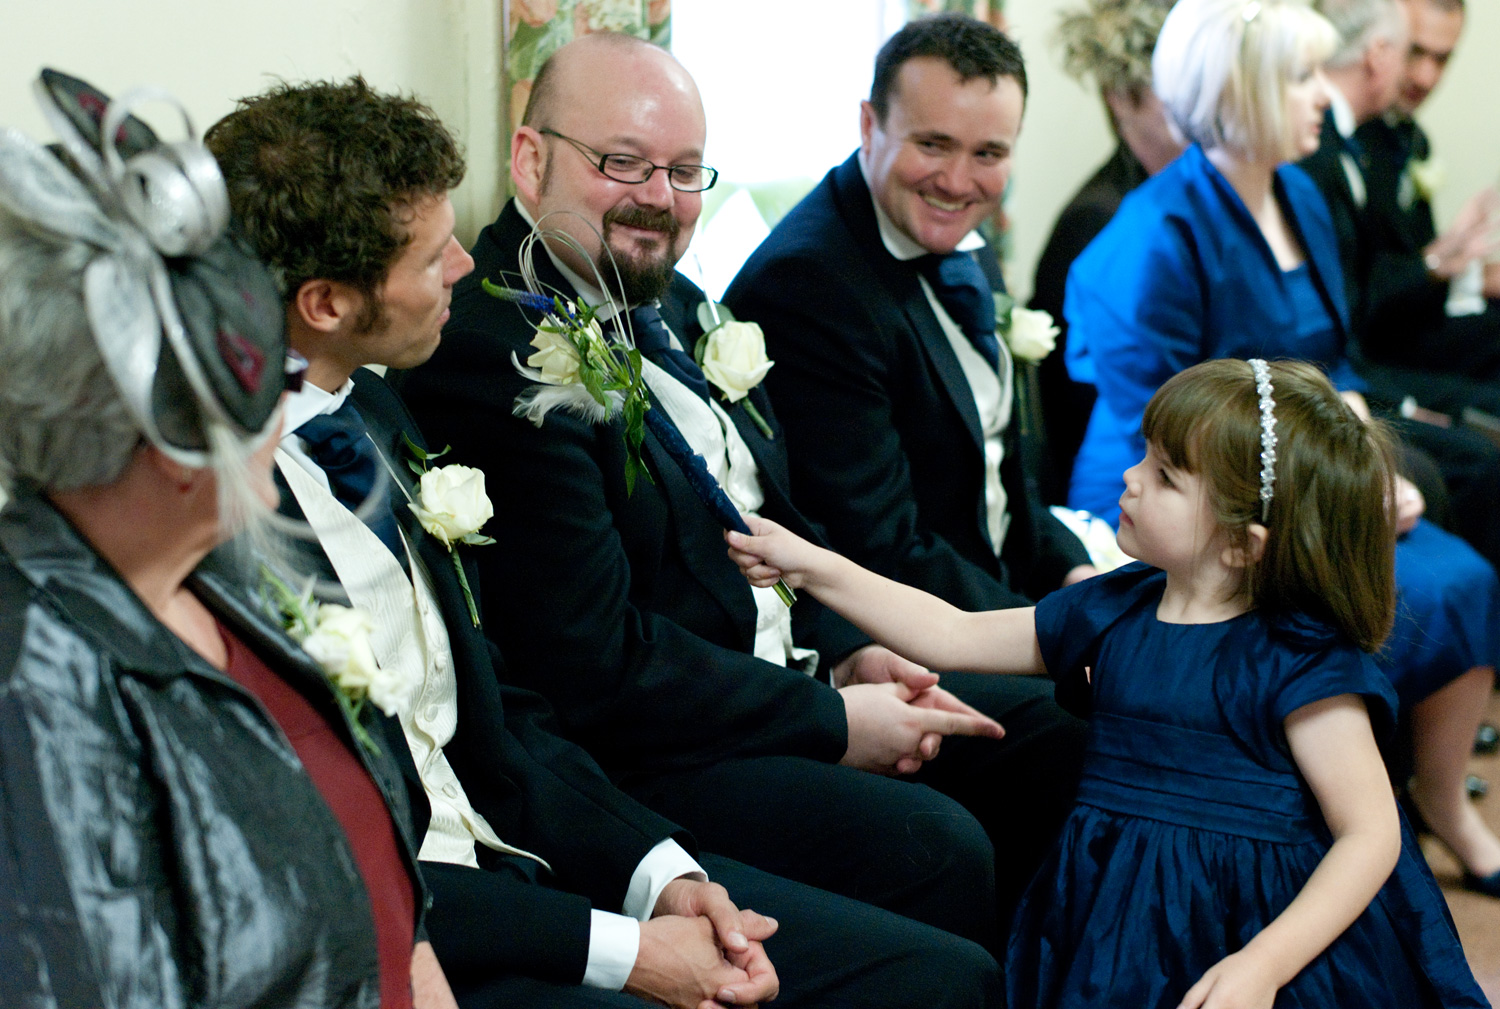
(1351,223)
(1405,321)
(623,609)
(538,791)
(882,430)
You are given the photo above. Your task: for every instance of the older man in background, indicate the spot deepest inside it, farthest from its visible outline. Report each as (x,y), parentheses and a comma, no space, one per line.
(1431,325)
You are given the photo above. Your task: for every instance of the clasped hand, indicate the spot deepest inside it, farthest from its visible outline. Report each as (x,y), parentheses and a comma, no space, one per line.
(897,713)
(700,951)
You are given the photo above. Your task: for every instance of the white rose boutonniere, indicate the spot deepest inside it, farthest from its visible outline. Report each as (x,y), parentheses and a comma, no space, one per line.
(338,639)
(1427,176)
(555,357)
(1032,334)
(1029,333)
(451,505)
(733,357)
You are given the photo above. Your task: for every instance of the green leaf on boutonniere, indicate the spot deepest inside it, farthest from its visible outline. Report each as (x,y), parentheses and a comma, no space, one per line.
(1003,304)
(708,320)
(420,456)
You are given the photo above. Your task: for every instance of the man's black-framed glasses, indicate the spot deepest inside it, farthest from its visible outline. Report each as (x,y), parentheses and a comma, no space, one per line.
(631,170)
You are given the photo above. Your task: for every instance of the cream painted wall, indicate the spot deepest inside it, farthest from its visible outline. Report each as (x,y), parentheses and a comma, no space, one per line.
(208,54)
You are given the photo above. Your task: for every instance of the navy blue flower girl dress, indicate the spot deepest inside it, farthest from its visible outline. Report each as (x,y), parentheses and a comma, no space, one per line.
(1193,829)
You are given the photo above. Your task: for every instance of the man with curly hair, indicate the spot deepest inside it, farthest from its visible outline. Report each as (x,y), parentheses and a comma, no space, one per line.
(551,886)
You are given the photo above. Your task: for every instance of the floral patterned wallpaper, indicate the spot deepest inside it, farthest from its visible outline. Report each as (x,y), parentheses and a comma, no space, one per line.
(535,29)
(992,11)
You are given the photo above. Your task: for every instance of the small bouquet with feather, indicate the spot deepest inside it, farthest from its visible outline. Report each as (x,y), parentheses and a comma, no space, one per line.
(577,367)
(579,370)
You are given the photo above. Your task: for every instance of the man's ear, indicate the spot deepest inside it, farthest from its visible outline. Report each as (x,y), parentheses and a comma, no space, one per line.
(325,305)
(1251,550)
(869,122)
(528,163)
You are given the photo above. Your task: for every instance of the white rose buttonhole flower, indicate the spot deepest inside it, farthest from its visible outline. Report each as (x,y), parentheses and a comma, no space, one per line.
(1029,333)
(451,505)
(733,357)
(337,638)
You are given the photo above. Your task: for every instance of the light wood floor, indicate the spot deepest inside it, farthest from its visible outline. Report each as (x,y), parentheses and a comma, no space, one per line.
(1477,917)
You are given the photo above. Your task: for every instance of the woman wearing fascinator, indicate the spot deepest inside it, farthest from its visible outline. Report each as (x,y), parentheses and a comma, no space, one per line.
(1229,251)
(189,816)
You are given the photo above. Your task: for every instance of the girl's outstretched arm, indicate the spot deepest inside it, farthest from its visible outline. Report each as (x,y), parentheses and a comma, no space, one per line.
(908,621)
(1334,748)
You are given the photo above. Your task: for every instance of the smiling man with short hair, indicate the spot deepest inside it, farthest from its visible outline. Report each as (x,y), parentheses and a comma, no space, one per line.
(876,294)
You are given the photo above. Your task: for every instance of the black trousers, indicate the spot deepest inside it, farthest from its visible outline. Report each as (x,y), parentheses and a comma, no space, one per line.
(828,952)
(954,846)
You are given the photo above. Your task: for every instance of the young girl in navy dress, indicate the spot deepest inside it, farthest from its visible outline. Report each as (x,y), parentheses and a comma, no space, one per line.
(1235,841)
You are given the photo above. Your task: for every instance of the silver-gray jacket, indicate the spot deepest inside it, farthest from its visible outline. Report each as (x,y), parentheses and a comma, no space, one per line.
(160,843)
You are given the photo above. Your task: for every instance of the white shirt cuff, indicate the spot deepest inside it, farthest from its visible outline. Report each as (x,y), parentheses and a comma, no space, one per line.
(662,864)
(614,941)
(1466,292)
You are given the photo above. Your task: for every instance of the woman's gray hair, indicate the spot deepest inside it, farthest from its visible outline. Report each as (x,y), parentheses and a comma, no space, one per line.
(1221,68)
(1359,23)
(63,422)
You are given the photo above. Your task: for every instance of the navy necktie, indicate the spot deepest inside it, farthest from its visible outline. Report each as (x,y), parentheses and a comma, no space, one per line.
(337,442)
(654,341)
(964,292)
(1356,151)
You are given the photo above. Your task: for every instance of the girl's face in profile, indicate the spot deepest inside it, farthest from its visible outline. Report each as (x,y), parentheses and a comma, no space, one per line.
(1165,518)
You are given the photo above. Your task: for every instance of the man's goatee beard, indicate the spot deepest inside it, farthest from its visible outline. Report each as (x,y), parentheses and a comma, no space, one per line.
(639,280)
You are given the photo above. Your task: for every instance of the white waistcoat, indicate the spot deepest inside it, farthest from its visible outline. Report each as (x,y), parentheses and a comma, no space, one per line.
(410,635)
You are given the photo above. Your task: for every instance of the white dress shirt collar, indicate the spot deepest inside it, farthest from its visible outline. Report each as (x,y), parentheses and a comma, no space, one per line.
(311,401)
(1343,112)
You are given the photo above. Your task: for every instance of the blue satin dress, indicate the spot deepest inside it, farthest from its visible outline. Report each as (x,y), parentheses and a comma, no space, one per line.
(1182,275)
(1193,830)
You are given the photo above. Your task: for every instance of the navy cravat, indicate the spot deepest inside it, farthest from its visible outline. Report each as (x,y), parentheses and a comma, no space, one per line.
(1356,151)
(337,442)
(964,292)
(654,341)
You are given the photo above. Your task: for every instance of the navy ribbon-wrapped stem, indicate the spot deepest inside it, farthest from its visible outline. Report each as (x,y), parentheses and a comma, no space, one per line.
(695,469)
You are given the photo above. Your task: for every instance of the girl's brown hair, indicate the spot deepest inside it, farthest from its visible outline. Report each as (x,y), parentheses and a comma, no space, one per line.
(1331,539)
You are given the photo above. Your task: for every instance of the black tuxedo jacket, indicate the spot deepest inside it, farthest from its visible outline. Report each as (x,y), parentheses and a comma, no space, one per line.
(623,609)
(538,791)
(1405,321)
(882,430)
(1351,222)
